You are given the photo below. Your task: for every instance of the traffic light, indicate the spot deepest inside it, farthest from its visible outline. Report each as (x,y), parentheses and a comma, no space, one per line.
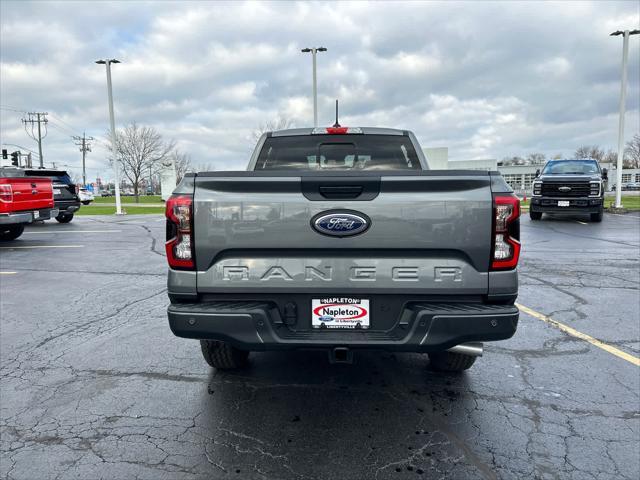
(4,154)
(15,159)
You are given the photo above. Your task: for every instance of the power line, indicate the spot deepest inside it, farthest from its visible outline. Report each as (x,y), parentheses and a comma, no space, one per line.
(63,129)
(71,132)
(39,118)
(71,127)
(7,107)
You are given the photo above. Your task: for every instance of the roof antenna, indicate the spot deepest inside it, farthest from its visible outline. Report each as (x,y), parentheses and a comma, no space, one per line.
(336,125)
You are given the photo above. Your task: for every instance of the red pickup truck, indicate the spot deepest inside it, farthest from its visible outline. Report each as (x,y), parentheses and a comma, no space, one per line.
(23,200)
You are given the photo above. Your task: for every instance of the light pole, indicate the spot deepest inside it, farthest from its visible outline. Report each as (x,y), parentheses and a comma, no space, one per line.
(314,51)
(116,169)
(623,99)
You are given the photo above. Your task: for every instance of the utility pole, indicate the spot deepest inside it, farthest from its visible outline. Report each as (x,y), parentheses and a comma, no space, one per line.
(623,100)
(314,51)
(85,146)
(32,119)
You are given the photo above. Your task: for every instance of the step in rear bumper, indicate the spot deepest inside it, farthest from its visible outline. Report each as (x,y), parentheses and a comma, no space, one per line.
(421,327)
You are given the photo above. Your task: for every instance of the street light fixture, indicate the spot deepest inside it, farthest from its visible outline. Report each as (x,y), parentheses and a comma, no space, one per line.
(116,169)
(313,52)
(623,99)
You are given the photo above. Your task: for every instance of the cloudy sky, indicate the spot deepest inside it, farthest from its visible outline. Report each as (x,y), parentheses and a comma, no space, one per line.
(486,79)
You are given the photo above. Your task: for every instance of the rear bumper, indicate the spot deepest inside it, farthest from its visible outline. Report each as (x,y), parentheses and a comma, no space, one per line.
(27,217)
(420,328)
(68,206)
(576,205)
(13,218)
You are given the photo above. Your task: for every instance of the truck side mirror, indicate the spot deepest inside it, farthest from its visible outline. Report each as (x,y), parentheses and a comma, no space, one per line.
(538,172)
(605,174)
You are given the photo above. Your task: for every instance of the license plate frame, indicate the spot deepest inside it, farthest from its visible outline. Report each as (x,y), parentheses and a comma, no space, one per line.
(340,313)
(564,203)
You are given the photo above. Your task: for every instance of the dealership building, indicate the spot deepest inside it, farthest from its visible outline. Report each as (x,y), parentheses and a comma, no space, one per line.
(519,177)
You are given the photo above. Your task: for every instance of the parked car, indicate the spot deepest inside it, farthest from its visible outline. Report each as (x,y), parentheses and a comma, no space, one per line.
(350,243)
(569,187)
(22,201)
(64,192)
(631,186)
(85,195)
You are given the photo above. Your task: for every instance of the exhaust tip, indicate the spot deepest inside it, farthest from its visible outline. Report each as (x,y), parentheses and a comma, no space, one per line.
(474,349)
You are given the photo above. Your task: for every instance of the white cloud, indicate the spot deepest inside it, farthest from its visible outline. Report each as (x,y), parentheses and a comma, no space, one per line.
(557,66)
(486,79)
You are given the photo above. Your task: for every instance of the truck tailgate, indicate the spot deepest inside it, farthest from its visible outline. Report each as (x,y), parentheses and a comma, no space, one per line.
(428,232)
(28,193)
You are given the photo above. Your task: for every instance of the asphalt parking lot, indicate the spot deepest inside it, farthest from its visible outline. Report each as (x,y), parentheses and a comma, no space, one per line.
(94,385)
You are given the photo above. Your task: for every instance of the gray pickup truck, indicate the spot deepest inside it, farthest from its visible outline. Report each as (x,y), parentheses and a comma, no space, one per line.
(342,239)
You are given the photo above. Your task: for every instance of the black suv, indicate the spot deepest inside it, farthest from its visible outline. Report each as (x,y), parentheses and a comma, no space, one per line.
(570,187)
(65,195)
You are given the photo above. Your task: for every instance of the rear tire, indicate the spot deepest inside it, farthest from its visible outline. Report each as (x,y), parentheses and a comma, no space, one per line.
(450,361)
(535,215)
(597,217)
(64,217)
(11,232)
(222,355)
(87,202)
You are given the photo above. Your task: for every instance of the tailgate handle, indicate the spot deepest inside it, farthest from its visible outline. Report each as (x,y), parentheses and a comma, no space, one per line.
(341,191)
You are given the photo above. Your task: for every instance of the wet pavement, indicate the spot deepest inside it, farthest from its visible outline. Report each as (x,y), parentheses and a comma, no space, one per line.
(94,385)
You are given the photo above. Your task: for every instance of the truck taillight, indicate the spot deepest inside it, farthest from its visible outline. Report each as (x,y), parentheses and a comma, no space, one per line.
(506,232)
(6,194)
(179,245)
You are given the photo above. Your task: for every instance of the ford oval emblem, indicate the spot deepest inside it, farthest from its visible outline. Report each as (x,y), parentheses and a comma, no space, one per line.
(340,223)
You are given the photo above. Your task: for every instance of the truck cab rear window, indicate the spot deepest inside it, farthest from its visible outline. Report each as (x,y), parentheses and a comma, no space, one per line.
(338,152)
(56,177)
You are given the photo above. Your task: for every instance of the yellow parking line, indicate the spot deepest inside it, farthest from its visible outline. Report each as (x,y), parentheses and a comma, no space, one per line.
(583,336)
(41,246)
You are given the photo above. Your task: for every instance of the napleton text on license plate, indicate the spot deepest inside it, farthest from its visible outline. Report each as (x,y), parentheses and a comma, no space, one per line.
(340,312)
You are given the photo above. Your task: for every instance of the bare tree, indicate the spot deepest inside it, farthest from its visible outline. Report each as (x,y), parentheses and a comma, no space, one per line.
(610,157)
(536,158)
(589,151)
(182,162)
(632,152)
(139,150)
(512,161)
(204,167)
(278,123)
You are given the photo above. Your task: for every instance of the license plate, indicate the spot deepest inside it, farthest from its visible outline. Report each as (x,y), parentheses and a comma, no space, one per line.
(340,312)
(56,191)
(563,203)
(36,214)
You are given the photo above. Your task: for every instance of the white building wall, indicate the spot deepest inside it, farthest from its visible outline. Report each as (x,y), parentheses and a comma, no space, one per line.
(480,164)
(437,158)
